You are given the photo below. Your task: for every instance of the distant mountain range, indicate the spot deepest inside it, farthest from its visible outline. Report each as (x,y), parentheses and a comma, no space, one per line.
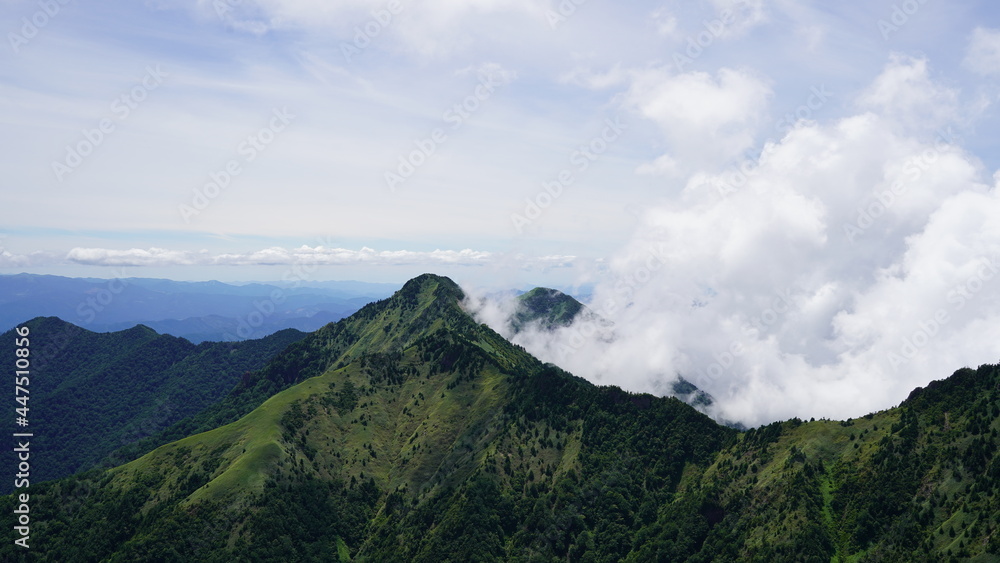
(410,432)
(197,311)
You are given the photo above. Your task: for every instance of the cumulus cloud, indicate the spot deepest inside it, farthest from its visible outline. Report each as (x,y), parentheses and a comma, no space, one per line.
(495,308)
(905,94)
(707,120)
(854,261)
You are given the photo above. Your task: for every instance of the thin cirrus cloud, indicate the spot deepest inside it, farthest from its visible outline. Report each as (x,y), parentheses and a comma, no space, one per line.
(428,28)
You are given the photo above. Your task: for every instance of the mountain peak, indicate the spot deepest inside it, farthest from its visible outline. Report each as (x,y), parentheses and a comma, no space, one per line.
(439,286)
(425,304)
(408,432)
(551,307)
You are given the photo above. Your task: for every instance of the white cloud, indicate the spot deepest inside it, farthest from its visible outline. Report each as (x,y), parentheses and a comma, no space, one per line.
(905,93)
(12,260)
(304,255)
(495,73)
(795,290)
(983,55)
(664,165)
(744,15)
(665,21)
(707,120)
(131,257)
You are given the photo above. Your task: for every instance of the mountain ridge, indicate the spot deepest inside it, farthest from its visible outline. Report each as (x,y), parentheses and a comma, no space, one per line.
(408,432)
(198,311)
(133,382)
(550,308)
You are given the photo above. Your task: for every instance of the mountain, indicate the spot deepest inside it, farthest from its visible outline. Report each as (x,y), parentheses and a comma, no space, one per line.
(690,394)
(408,432)
(197,311)
(384,325)
(549,307)
(93,393)
(216,328)
(918,482)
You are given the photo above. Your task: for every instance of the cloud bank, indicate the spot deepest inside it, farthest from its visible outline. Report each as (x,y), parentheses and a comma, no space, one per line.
(278,256)
(849,263)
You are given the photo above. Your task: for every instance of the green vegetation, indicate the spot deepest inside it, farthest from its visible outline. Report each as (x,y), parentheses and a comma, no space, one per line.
(549,307)
(95,393)
(410,433)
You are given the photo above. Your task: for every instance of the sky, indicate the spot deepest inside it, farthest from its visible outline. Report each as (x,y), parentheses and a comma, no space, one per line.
(788,202)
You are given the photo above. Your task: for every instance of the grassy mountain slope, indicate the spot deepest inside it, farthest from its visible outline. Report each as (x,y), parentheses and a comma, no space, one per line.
(418,409)
(410,433)
(385,325)
(92,393)
(914,483)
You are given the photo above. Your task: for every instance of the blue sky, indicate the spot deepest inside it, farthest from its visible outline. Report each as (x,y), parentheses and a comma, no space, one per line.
(780,198)
(361,100)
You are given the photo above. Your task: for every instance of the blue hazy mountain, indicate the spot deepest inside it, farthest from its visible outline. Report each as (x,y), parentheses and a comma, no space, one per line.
(198,311)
